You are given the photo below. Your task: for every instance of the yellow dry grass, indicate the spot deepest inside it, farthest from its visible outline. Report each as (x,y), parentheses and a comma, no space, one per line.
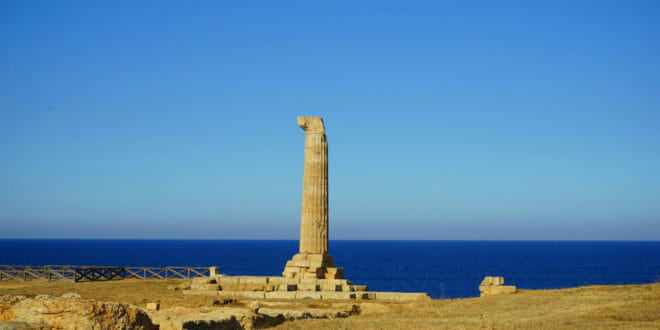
(133,291)
(597,307)
(620,306)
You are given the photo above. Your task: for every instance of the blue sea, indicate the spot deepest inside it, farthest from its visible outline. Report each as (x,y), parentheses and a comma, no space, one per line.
(444,269)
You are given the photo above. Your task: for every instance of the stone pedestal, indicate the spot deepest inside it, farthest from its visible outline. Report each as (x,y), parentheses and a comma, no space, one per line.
(313,260)
(312,265)
(494,285)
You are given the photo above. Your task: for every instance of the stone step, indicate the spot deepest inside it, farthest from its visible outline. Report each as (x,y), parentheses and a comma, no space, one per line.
(319,295)
(224,279)
(279,295)
(273,283)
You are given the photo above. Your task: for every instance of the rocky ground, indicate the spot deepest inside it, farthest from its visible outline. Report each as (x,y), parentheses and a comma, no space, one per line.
(123,305)
(72,311)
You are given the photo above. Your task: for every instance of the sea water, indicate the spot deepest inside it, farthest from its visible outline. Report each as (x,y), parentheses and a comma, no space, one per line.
(444,269)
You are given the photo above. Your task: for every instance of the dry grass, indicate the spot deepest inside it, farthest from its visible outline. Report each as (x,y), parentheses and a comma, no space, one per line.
(626,306)
(132,291)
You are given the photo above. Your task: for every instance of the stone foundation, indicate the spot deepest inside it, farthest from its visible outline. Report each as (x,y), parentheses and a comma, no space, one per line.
(312,265)
(272,284)
(285,288)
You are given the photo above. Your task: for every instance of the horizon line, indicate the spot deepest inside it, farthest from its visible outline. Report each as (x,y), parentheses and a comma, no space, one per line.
(375,240)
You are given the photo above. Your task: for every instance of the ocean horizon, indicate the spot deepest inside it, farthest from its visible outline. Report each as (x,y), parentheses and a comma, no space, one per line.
(442,268)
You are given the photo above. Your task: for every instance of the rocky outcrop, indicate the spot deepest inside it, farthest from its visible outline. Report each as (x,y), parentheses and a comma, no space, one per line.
(252,316)
(177,318)
(69,311)
(309,313)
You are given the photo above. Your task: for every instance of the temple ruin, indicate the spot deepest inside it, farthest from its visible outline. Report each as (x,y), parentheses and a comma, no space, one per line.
(311,273)
(313,260)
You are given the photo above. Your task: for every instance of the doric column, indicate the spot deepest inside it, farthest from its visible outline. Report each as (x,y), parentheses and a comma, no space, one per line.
(313,260)
(314,215)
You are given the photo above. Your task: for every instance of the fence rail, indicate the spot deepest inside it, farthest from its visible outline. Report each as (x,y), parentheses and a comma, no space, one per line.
(96,273)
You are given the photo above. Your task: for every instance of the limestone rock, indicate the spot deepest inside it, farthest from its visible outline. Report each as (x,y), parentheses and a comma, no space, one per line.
(491,290)
(23,326)
(255,316)
(493,280)
(206,318)
(153,306)
(71,313)
(306,313)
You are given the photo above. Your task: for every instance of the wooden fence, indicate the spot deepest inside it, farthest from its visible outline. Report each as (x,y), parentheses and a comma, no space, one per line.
(96,273)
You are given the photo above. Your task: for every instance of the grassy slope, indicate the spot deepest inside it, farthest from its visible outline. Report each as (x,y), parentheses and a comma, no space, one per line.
(630,306)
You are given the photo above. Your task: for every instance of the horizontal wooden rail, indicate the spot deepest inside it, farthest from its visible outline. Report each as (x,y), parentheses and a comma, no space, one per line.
(96,273)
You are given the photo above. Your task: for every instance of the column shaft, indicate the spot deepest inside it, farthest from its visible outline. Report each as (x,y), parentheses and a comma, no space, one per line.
(314,214)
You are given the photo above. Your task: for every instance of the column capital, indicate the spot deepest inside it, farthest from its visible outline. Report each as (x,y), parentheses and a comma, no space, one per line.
(312,125)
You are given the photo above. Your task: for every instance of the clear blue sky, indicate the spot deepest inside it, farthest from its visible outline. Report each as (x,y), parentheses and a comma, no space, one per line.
(446,120)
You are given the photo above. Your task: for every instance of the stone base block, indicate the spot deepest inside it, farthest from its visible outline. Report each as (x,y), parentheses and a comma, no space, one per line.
(311,265)
(153,306)
(365,295)
(323,281)
(302,272)
(227,281)
(242,294)
(333,273)
(309,287)
(336,281)
(283,280)
(337,295)
(322,260)
(493,280)
(254,295)
(252,279)
(203,280)
(313,272)
(359,288)
(281,295)
(331,287)
(490,290)
(311,295)
(493,285)
(288,287)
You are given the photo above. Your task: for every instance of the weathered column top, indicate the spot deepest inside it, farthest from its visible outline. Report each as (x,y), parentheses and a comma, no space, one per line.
(312,125)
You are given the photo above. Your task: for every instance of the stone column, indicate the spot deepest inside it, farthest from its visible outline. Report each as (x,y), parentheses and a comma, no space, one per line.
(313,260)
(314,215)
